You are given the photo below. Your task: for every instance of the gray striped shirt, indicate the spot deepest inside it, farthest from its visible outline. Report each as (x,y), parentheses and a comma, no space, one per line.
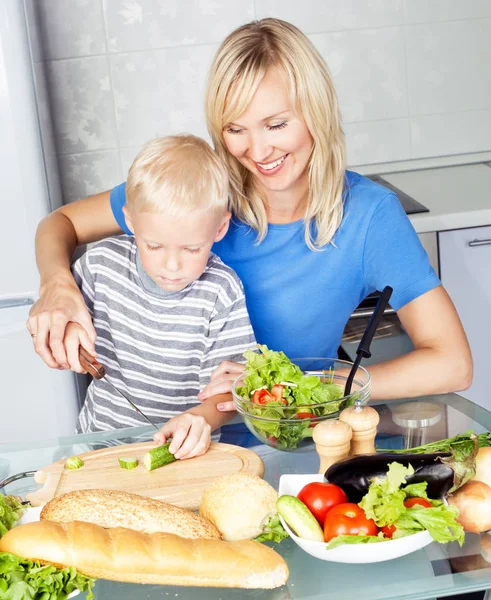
(157,347)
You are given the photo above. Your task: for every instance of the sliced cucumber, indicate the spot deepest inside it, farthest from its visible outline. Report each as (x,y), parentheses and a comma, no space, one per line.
(74,462)
(299,518)
(158,457)
(128,463)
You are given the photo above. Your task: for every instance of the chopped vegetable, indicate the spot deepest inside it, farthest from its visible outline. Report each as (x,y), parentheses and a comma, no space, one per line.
(281,390)
(74,462)
(128,463)
(273,531)
(158,457)
(23,579)
(11,510)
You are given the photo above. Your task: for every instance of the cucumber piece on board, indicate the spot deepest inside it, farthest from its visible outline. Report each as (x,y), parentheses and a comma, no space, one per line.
(128,463)
(74,462)
(158,457)
(299,518)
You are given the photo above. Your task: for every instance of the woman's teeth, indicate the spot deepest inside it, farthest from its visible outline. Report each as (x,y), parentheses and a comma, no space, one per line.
(272,165)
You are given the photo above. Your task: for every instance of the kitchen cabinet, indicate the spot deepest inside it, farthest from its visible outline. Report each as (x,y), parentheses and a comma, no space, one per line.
(465,268)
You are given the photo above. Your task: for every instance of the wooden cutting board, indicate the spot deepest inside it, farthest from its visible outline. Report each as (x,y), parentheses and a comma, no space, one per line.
(181,483)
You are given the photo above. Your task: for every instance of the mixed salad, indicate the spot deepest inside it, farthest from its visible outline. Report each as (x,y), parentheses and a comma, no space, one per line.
(391,509)
(277,389)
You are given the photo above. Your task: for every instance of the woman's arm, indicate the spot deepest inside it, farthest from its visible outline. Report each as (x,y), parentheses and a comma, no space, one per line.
(60,300)
(441,361)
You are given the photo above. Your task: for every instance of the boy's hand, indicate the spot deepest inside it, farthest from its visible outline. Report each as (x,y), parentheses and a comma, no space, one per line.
(191,435)
(75,336)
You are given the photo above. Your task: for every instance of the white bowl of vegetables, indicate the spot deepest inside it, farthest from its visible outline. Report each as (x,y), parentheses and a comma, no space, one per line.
(282,400)
(385,498)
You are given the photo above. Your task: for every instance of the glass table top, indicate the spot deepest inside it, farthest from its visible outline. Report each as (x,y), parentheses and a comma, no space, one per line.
(435,571)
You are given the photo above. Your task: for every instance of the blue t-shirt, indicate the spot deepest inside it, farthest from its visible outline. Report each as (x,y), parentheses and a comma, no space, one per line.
(300,300)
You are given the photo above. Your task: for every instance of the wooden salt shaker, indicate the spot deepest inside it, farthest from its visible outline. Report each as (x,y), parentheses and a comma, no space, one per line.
(332,442)
(363,421)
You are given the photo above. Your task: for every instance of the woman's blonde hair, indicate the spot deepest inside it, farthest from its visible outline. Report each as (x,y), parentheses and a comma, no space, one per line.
(237,70)
(177,174)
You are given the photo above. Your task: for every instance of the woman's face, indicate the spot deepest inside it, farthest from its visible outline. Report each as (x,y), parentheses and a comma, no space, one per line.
(270,138)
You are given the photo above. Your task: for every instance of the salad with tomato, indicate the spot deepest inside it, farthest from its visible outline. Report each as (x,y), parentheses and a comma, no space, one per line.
(280,403)
(390,509)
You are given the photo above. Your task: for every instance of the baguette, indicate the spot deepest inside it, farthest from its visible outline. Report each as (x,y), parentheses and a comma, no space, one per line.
(122,554)
(113,508)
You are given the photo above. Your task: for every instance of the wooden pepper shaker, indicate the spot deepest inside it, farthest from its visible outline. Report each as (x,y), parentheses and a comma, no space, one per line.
(332,442)
(363,421)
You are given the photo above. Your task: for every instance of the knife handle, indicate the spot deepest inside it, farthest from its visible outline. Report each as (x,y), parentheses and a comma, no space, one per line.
(90,364)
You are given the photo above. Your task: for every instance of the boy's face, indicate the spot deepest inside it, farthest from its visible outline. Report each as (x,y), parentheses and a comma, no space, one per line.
(174,251)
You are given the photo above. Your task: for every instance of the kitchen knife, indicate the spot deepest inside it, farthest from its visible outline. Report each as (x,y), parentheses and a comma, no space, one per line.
(94,367)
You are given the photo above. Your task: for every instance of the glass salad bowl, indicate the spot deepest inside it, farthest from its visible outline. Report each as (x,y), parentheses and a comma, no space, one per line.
(281,408)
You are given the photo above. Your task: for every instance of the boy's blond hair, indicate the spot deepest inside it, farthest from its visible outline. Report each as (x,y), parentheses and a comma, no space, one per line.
(177,174)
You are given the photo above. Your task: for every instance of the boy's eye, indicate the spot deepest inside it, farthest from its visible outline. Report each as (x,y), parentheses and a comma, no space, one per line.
(152,248)
(193,250)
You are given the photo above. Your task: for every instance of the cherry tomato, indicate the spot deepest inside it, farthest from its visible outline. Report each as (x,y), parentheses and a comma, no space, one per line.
(410,502)
(321,497)
(348,519)
(388,530)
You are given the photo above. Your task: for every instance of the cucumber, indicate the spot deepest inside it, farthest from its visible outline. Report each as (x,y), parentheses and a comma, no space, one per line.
(128,463)
(299,518)
(74,462)
(158,457)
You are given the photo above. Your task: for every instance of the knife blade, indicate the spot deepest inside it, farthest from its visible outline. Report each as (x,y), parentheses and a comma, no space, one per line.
(94,367)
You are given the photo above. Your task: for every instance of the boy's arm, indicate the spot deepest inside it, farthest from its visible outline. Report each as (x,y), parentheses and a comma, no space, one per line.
(212,416)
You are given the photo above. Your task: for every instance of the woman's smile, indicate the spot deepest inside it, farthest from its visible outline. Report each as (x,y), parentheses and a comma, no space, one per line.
(271,168)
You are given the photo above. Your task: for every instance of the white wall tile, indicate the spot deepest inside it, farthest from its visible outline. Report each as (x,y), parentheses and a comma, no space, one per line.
(158,92)
(449,66)
(369,71)
(82,104)
(426,11)
(377,141)
(89,173)
(146,24)
(313,16)
(127,156)
(71,29)
(440,135)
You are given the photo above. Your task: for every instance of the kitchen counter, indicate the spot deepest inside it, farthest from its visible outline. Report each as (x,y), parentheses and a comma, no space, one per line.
(457,196)
(435,571)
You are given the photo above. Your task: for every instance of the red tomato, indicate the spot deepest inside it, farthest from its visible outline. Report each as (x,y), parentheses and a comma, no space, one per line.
(306,415)
(348,519)
(388,530)
(262,397)
(276,392)
(410,502)
(321,497)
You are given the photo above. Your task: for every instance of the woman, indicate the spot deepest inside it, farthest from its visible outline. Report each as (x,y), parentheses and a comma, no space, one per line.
(309,240)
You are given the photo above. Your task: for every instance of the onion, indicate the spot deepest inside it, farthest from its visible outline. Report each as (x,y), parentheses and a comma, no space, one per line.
(474,503)
(483,465)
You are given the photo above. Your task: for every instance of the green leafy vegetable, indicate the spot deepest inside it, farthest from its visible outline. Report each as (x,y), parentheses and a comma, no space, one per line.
(303,397)
(22,579)
(461,445)
(273,531)
(384,503)
(11,510)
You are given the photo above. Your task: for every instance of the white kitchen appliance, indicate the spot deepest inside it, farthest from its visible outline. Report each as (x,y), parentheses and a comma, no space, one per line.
(36,402)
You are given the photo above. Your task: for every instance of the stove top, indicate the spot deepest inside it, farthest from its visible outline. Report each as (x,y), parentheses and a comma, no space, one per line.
(410,205)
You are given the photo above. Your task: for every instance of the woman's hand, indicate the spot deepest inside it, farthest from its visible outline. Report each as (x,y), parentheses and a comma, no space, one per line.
(191,435)
(221,383)
(60,303)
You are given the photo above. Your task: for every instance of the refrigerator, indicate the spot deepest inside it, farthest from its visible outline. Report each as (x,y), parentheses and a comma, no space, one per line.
(36,402)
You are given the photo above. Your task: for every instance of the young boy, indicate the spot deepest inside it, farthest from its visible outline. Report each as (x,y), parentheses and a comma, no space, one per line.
(166,310)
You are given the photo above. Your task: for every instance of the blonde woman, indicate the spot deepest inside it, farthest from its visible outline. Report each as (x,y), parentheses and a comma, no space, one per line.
(309,239)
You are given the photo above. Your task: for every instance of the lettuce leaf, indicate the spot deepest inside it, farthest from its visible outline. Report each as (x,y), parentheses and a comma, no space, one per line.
(341,540)
(273,531)
(23,579)
(11,510)
(440,521)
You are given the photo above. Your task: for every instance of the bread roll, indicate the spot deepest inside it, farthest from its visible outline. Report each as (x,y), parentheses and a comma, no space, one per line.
(239,505)
(112,508)
(122,554)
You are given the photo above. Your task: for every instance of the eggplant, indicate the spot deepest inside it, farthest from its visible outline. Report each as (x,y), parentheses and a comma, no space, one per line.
(355,474)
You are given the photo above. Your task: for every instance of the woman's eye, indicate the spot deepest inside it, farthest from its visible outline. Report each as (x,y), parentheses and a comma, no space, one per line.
(152,248)
(232,130)
(279,126)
